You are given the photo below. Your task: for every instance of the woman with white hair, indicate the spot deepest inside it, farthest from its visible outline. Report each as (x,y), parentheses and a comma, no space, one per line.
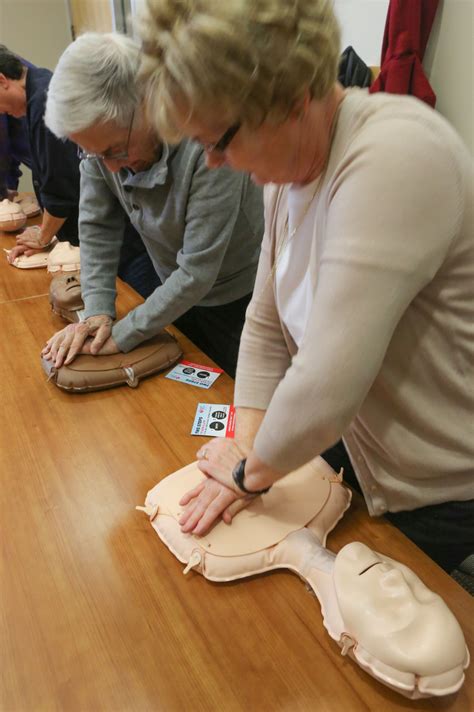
(361,323)
(201,228)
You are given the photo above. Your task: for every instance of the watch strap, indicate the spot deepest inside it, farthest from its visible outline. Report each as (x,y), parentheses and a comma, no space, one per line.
(238,475)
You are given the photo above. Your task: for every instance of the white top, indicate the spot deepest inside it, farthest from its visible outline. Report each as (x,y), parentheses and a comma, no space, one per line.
(294,288)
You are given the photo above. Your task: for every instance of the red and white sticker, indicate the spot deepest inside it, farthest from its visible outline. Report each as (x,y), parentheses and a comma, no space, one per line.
(194,374)
(215,420)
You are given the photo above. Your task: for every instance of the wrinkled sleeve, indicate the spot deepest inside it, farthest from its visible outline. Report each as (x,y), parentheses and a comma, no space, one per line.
(101,230)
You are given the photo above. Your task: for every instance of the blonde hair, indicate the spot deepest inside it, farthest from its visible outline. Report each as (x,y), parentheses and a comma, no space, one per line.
(248,60)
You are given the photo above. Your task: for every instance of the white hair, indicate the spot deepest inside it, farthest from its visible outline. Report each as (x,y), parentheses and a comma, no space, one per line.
(93,83)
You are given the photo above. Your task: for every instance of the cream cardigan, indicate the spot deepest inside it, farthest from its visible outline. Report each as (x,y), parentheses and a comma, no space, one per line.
(387,360)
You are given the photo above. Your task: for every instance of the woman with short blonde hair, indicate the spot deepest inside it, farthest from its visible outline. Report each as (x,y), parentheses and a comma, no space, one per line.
(253,61)
(361,323)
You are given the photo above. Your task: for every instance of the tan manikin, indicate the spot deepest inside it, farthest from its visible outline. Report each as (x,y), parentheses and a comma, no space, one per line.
(377,610)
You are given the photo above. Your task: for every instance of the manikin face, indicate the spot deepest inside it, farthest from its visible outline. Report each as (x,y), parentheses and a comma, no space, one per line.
(137,141)
(12,96)
(397,618)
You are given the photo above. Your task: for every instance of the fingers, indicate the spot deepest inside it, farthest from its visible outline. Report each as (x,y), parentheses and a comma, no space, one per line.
(65,344)
(191,494)
(102,334)
(31,237)
(53,345)
(213,512)
(51,342)
(205,505)
(15,252)
(60,348)
(203,465)
(25,242)
(218,458)
(81,333)
(236,507)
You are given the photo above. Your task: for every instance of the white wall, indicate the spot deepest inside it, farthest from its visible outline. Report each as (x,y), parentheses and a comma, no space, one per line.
(449,57)
(36,29)
(449,63)
(362,24)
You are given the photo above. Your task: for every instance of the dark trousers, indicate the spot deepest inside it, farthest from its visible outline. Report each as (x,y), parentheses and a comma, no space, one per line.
(135,266)
(217,330)
(443,531)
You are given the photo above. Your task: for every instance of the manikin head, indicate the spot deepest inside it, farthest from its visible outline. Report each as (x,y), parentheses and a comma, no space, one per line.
(12,84)
(400,621)
(95,101)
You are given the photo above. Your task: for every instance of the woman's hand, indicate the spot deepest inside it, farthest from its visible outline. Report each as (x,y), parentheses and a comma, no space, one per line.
(207,503)
(66,344)
(218,496)
(218,458)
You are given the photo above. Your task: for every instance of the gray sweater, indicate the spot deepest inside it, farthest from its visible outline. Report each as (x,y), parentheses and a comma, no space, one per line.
(202,229)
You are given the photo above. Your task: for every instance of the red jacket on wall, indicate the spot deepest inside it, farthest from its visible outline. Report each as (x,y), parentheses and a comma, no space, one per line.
(407,30)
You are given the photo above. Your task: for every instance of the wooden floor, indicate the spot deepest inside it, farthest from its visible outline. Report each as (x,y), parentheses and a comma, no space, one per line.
(96,614)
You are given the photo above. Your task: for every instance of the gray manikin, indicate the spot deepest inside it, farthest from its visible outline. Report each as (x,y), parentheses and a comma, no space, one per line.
(377,610)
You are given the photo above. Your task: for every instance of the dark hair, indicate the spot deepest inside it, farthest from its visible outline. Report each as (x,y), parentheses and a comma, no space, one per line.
(10,65)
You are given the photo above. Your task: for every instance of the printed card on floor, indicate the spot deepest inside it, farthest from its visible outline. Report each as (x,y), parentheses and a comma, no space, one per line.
(215,420)
(194,374)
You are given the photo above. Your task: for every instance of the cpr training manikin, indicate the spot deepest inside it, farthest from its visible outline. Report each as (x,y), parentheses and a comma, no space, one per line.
(377,610)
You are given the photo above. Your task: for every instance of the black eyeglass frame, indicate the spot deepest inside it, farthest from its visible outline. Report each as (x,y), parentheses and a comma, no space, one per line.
(222,144)
(119,156)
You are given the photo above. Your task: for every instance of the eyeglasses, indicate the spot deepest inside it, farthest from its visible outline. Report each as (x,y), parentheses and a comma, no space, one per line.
(221,145)
(119,156)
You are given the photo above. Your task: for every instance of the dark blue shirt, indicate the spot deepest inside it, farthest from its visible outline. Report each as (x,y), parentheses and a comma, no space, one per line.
(54,162)
(14,150)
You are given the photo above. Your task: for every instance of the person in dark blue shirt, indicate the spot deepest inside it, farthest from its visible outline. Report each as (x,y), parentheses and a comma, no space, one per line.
(55,170)
(54,164)
(14,149)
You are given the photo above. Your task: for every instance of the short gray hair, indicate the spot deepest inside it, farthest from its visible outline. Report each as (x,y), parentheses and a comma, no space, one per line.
(93,83)
(248,60)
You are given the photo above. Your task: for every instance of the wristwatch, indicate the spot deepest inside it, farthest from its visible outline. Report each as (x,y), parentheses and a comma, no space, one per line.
(238,474)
